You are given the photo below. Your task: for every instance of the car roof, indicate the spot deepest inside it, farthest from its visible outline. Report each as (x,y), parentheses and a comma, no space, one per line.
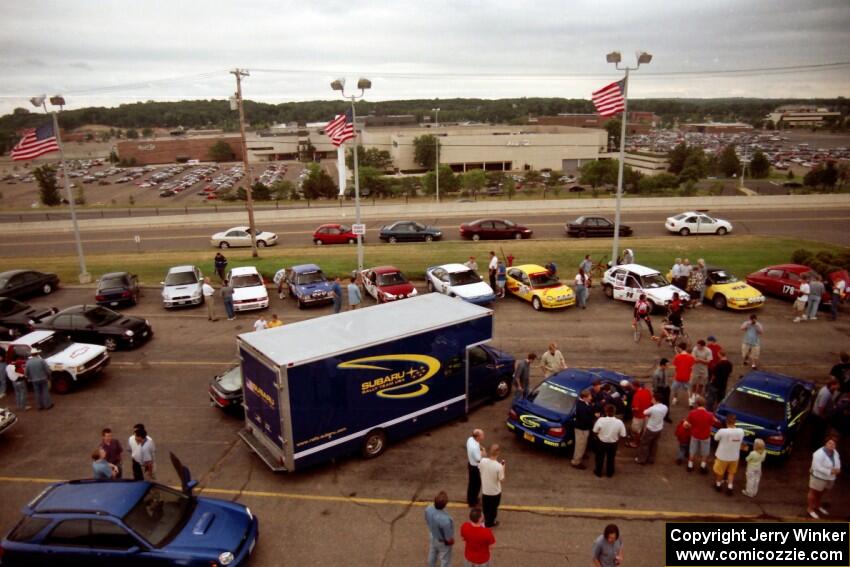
(384,269)
(177,269)
(243,270)
(638,269)
(771,382)
(245,228)
(116,498)
(301,268)
(454,268)
(10,273)
(32,338)
(111,275)
(580,379)
(330,225)
(531,268)
(797,268)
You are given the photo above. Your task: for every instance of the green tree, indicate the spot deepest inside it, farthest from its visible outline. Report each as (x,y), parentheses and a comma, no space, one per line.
(614,128)
(282,189)
(598,172)
(221,151)
(532,176)
(113,157)
(728,162)
(425,150)
(449,182)
(474,180)
(790,174)
(373,182)
(132,134)
(677,157)
(147,132)
(373,157)
(759,165)
(260,192)
(318,183)
(631,179)
(307,152)
(409,185)
(48,189)
(509,186)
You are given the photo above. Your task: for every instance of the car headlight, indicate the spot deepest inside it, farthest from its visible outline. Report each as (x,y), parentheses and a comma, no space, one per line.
(438,234)
(248,511)
(196,293)
(226,558)
(388,295)
(129,333)
(414,292)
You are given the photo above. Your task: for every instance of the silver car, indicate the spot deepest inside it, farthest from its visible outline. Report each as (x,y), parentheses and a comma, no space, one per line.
(182,286)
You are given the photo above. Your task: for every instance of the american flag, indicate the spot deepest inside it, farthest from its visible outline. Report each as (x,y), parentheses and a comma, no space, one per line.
(609,99)
(340,129)
(36,142)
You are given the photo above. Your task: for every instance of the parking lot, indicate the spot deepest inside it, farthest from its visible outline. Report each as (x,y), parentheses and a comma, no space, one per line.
(356,512)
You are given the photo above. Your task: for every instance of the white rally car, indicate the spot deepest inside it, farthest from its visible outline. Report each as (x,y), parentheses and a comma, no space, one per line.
(628,281)
(249,289)
(457,280)
(697,222)
(69,361)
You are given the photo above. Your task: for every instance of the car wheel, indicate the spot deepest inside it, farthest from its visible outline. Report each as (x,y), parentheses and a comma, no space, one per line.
(318,242)
(374,444)
(503,388)
(685,231)
(719,302)
(261,244)
(609,291)
(111,343)
(62,382)
(518,236)
(535,302)
(476,237)
(393,239)
(352,240)
(430,286)
(721,231)
(429,238)
(224,245)
(46,289)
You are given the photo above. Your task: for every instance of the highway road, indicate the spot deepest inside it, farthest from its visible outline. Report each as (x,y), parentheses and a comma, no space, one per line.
(826,225)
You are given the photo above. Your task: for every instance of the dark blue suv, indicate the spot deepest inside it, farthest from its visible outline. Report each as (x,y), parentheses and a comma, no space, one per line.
(89,523)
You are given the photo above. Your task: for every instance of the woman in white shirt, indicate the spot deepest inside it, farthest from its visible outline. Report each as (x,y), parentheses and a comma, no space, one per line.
(581,288)
(826,464)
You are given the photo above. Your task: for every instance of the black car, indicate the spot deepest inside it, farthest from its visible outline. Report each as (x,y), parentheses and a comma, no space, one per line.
(409,231)
(22,283)
(17,318)
(226,389)
(594,226)
(94,324)
(118,288)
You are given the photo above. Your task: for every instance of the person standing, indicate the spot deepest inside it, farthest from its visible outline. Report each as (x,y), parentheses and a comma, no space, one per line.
(628,256)
(522,376)
(685,274)
(274,322)
(15,374)
(699,374)
(441,529)
(816,291)
(826,465)
(841,371)
(587,266)
(581,285)
(552,361)
(727,455)
(676,273)
(209,299)
(337,291)
(699,422)
(227,299)
(609,430)
(220,265)
(113,450)
(354,297)
(474,453)
(260,324)
(478,539)
(683,436)
(582,424)
(836,290)
(608,548)
(471,264)
(802,300)
(492,474)
(101,468)
(642,399)
(661,384)
(654,415)
(143,453)
(822,411)
(754,462)
(701,279)
(720,378)
(37,373)
(492,269)
(751,344)
(683,363)
(501,279)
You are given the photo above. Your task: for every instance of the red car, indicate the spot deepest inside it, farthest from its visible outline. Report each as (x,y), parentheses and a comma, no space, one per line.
(784,280)
(334,234)
(494,229)
(387,283)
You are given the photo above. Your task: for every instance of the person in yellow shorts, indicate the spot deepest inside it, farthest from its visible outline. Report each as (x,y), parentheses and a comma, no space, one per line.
(729,439)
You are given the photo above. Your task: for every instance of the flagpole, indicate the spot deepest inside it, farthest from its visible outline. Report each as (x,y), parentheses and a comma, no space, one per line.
(356,190)
(615,247)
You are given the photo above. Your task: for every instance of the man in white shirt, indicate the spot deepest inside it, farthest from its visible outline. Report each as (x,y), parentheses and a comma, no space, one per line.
(474,453)
(493,268)
(609,430)
(492,474)
(654,417)
(209,299)
(802,300)
(728,453)
(261,324)
(143,453)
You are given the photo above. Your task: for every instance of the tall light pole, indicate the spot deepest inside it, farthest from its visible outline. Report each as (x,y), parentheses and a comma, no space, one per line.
(643,58)
(363,85)
(58,100)
(249,197)
(436,112)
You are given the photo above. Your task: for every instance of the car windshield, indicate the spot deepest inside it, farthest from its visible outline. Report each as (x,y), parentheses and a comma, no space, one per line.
(309,278)
(10,306)
(246,280)
(232,379)
(160,514)
(553,397)
(108,283)
(3,282)
(101,316)
(653,281)
(464,278)
(742,402)
(392,278)
(579,220)
(51,345)
(510,224)
(181,278)
(722,277)
(544,279)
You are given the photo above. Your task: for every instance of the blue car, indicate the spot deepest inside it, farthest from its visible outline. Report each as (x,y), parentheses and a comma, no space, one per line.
(101,523)
(769,406)
(309,286)
(546,416)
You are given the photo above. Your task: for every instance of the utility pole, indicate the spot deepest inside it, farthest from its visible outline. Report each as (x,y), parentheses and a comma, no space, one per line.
(437,149)
(249,199)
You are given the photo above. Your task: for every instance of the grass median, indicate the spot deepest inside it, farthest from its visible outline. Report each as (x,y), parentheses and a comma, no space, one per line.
(738,254)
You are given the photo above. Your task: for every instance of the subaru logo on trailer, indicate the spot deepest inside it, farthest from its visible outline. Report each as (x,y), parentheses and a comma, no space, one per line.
(402,375)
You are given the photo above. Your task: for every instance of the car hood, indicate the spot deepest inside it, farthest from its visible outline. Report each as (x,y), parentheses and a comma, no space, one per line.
(76,354)
(397,289)
(253,292)
(215,527)
(737,290)
(170,291)
(472,290)
(317,286)
(525,408)
(554,292)
(661,295)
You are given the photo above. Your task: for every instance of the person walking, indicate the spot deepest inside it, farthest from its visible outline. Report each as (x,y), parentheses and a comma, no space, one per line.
(582,424)
(609,430)
(699,373)
(816,291)
(826,465)
(260,324)
(751,343)
(143,453)
(802,299)
(492,269)
(654,415)
(581,285)
(37,373)
(354,297)
(227,298)
(501,279)
(754,462)
(337,291)
(220,265)
(552,361)
(683,363)
(608,548)
(522,376)
(478,539)
(701,272)
(661,384)
(15,375)
(102,469)
(113,450)
(474,453)
(492,474)
(699,422)
(209,299)
(727,455)
(274,322)
(822,411)
(441,531)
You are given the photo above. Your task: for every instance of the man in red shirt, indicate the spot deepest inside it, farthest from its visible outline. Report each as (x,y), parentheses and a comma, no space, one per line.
(478,539)
(683,362)
(715,348)
(641,400)
(699,422)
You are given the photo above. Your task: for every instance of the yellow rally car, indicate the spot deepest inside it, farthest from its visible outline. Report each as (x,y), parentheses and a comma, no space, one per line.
(724,290)
(535,284)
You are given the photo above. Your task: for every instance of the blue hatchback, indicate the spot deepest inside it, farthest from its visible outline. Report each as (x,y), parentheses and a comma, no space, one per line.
(769,406)
(546,416)
(129,523)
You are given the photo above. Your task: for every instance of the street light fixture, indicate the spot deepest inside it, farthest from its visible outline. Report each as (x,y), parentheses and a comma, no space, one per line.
(436,112)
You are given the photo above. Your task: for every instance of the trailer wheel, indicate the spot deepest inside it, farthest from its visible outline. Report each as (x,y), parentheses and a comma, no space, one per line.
(503,388)
(374,444)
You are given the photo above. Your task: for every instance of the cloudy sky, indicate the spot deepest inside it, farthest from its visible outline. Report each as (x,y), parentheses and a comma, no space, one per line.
(104,52)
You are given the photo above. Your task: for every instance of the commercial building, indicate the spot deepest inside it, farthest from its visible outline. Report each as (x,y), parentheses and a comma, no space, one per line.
(648,163)
(803,116)
(171,150)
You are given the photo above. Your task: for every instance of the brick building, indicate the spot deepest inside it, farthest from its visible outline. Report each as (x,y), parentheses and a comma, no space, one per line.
(171,150)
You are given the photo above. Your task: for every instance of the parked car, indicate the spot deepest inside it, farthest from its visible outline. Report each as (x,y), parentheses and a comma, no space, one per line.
(409,231)
(18,318)
(241,236)
(24,283)
(249,289)
(183,285)
(95,324)
(226,389)
(724,290)
(118,288)
(628,281)
(334,234)
(7,419)
(783,281)
(308,285)
(770,406)
(585,226)
(537,285)
(125,522)
(457,280)
(696,222)
(493,229)
(387,283)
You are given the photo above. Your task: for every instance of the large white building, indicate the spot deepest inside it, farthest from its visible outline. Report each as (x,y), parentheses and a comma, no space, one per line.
(802,116)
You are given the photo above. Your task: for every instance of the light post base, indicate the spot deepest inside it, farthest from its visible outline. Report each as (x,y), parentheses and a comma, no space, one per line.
(85,278)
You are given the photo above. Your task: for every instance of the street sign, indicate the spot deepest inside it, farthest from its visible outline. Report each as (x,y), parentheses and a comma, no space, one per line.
(358,229)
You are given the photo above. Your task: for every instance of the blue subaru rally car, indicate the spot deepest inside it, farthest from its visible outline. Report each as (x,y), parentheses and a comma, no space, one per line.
(770,406)
(308,285)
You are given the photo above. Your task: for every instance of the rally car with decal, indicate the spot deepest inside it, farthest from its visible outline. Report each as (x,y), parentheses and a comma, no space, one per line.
(769,406)
(308,285)
(387,283)
(725,291)
(628,281)
(783,280)
(537,285)
(458,280)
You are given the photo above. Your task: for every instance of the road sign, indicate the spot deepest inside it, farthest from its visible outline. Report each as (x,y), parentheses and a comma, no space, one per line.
(358,229)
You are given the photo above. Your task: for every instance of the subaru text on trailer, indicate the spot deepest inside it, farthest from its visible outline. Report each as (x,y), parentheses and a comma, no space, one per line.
(380,374)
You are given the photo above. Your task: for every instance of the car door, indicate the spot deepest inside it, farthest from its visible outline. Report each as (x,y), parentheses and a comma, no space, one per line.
(484,229)
(770,281)
(17,286)
(707,225)
(63,324)
(84,330)
(514,280)
(501,230)
(69,544)
(604,227)
(479,368)
(369,282)
(591,226)
(692,223)
(334,235)
(402,232)
(800,403)
(790,284)
(620,285)
(238,238)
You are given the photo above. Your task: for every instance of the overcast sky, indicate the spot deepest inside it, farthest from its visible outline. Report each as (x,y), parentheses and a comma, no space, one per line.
(107,52)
